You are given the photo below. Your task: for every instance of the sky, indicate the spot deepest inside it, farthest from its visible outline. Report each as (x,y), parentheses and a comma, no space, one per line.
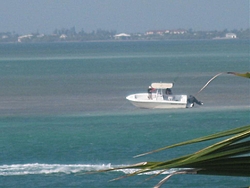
(129,16)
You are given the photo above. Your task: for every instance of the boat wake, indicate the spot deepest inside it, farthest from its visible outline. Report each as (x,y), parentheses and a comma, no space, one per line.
(39,169)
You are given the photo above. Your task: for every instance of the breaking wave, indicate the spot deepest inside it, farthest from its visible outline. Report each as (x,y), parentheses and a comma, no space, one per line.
(36,169)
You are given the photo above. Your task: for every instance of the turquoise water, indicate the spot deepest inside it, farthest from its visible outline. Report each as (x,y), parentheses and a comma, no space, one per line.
(63,110)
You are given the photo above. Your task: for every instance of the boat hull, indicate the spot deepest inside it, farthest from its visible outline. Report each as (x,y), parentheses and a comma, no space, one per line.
(141,100)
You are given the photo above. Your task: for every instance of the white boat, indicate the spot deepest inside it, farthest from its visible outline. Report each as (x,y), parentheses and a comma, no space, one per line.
(160,100)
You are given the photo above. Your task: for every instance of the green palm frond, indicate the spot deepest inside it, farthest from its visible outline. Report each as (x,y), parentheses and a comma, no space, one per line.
(229,157)
(202,139)
(246,75)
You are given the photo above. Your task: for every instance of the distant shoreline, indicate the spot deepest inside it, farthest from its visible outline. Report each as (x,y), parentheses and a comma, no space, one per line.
(111,36)
(124,41)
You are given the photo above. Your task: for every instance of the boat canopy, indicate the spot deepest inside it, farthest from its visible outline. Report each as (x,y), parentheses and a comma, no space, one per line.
(162,85)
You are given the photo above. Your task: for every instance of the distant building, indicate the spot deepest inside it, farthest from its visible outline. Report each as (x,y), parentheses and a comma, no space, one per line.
(162,32)
(40,36)
(63,36)
(155,32)
(231,36)
(177,32)
(149,33)
(122,36)
(227,36)
(24,37)
(5,37)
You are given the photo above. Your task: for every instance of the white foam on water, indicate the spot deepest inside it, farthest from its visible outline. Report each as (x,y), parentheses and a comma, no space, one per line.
(36,168)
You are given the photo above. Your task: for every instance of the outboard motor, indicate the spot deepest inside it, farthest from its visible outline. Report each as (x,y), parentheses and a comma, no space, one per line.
(191,100)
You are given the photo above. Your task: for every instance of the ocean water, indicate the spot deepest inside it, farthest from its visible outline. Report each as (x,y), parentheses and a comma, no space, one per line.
(63,111)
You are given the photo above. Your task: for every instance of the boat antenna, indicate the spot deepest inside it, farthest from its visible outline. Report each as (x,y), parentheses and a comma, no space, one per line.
(176,78)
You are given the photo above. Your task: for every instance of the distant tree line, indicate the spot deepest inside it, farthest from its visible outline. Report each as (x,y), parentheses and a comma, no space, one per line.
(70,35)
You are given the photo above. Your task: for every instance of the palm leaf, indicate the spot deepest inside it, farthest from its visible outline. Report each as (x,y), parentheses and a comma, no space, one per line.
(229,157)
(246,75)
(201,139)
